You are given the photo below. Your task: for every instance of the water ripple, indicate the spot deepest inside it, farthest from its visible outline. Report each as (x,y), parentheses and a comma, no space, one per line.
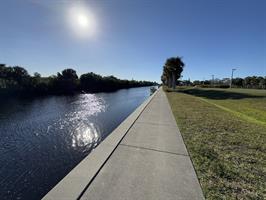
(84,132)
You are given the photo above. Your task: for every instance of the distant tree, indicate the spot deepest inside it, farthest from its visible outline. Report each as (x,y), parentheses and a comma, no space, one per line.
(111,83)
(67,81)
(186,82)
(196,82)
(35,82)
(247,82)
(69,74)
(21,76)
(238,82)
(37,75)
(2,76)
(262,83)
(2,70)
(207,82)
(19,73)
(254,82)
(90,81)
(173,68)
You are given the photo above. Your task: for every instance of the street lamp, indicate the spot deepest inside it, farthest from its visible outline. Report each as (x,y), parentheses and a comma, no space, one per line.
(232,75)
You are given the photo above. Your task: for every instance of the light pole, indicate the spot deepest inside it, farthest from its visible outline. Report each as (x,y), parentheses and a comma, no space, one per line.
(212,80)
(232,75)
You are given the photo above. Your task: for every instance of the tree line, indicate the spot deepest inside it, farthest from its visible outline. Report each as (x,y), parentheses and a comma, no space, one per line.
(17,81)
(174,66)
(252,82)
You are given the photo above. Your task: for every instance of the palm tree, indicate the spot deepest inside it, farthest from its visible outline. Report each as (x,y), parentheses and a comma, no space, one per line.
(167,75)
(173,68)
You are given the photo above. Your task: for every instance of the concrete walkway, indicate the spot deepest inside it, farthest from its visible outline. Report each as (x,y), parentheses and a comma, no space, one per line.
(151,161)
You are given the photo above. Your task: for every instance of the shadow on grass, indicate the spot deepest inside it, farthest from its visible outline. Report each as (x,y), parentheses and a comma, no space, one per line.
(216,94)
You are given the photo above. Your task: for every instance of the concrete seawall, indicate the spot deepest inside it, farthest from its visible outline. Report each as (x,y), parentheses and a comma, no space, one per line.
(143,158)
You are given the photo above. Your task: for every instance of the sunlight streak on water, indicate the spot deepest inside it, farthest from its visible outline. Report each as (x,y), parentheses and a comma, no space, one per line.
(84,133)
(89,104)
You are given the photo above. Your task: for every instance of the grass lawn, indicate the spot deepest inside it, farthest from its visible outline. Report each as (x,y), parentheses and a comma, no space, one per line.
(225,133)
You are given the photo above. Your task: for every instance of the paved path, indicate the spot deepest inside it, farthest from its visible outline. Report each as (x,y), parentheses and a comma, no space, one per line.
(151,161)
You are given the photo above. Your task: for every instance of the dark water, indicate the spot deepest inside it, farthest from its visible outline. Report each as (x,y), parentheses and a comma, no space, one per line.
(42,139)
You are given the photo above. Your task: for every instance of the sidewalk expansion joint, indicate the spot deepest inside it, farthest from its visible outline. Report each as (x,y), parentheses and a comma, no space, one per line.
(156,150)
(158,124)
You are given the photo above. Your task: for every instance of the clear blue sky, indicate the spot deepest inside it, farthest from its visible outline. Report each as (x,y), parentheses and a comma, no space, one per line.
(133,38)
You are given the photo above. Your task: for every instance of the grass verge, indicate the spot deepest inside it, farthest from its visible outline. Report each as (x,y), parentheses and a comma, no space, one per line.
(228,151)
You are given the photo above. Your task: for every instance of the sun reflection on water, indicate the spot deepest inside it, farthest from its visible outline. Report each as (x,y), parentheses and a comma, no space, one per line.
(77,122)
(87,133)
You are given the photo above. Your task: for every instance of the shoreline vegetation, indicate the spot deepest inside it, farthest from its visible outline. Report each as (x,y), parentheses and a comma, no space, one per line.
(16,81)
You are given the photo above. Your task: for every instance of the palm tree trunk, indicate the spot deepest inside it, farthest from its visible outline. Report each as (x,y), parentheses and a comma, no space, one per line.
(169,82)
(173,80)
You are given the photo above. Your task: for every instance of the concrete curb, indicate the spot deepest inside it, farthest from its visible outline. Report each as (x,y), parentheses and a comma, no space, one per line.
(77,180)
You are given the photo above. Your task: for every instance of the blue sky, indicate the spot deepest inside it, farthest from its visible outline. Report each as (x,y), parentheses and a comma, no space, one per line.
(132,39)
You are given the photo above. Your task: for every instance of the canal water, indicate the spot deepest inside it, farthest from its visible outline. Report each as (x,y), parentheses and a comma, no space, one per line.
(42,139)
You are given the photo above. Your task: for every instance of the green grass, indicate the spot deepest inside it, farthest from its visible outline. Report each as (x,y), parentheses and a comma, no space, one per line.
(225,133)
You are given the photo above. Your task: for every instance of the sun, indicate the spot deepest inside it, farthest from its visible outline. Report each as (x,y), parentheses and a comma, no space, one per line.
(82,21)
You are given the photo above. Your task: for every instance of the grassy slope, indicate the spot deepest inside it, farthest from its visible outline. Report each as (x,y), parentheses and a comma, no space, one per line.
(251,103)
(227,150)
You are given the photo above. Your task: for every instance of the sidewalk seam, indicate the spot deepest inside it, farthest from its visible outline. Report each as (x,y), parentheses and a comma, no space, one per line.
(156,150)
(159,124)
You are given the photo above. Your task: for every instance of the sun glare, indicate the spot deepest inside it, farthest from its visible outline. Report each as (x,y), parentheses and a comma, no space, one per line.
(82,21)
